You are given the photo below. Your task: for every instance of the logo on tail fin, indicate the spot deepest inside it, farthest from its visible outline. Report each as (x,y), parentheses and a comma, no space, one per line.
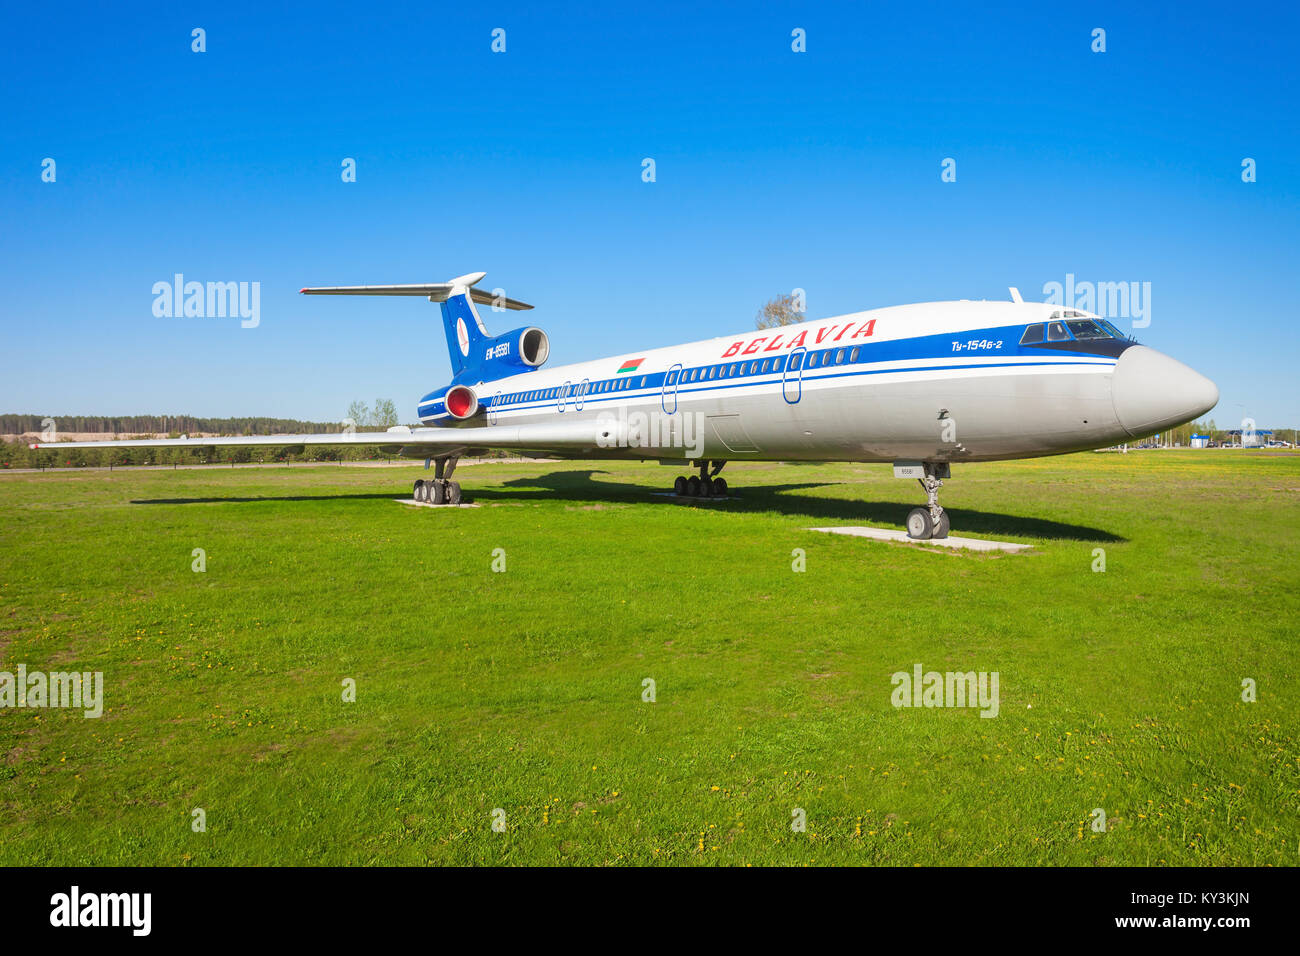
(462,336)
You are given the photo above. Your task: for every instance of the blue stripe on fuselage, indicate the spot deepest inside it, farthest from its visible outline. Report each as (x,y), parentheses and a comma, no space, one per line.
(1005,342)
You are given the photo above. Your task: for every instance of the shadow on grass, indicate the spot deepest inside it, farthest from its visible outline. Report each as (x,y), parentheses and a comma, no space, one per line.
(235,501)
(584,485)
(578,486)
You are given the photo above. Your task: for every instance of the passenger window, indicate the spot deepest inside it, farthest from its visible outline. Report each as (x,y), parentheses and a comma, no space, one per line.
(839,357)
(712,370)
(753,367)
(672,377)
(795,361)
(853,356)
(766,363)
(1056,332)
(1033,335)
(812,360)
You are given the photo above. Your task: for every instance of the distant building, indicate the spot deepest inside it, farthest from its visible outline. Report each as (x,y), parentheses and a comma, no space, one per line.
(1200,441)
(1256,439)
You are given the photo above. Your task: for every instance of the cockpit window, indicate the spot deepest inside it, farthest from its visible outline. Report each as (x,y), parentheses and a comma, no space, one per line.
(1056,332)
(1087,329)
(1111,328)
(1033,335)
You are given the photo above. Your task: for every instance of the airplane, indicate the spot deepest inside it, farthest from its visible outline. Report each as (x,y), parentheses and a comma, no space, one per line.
(920,386)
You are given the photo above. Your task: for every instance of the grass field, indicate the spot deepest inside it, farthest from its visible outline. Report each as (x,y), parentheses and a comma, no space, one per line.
(522,690)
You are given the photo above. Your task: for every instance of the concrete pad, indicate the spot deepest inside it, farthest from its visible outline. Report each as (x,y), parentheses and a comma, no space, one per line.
(673,494)
(425,504)
(889,534)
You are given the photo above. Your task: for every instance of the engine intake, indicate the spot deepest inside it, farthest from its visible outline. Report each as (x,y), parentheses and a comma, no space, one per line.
(461,402)
(534,346)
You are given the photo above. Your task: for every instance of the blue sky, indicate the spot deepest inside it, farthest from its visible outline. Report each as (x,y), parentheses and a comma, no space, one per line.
(775,170)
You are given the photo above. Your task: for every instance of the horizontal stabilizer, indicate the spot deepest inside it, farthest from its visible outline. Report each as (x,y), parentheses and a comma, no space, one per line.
(434,291)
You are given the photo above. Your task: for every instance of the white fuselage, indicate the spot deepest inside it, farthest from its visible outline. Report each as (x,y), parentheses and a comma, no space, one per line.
(942,381)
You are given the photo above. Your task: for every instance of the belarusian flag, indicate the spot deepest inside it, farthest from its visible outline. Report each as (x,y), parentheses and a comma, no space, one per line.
(631,365)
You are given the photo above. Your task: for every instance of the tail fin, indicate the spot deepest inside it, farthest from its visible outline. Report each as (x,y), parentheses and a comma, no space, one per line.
(465,330)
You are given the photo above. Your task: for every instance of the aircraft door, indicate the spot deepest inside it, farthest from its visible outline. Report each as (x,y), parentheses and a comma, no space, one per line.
(562,397)
(792,379)
(668,398)
(579,394)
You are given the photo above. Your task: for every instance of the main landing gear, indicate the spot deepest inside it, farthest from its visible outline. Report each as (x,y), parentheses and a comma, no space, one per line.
(706,484)
(439,490)
(930,521)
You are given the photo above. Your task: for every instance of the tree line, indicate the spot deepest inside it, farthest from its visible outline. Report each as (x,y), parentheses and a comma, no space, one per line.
(176,425)
(17,454)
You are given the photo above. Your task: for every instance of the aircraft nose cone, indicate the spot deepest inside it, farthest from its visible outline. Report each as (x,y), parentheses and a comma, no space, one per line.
(1152,392)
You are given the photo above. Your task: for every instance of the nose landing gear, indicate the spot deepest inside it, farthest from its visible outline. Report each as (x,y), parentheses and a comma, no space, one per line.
(930,521)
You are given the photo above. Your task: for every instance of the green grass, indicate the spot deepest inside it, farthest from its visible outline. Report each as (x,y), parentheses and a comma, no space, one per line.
(522,690)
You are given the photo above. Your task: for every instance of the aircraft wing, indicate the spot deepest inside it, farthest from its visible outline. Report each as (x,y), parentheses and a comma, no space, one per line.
(559,436)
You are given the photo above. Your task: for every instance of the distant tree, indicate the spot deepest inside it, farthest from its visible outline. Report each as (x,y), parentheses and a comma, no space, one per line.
(782,310)
(359,412)
(385,413)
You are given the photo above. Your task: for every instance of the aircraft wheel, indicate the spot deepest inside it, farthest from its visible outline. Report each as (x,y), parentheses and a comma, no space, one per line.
(693,486)
(679,487)
(919,525)
(706,488)
(453,492)
(439,493)
(941,531)
(418,492)
(719,487)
